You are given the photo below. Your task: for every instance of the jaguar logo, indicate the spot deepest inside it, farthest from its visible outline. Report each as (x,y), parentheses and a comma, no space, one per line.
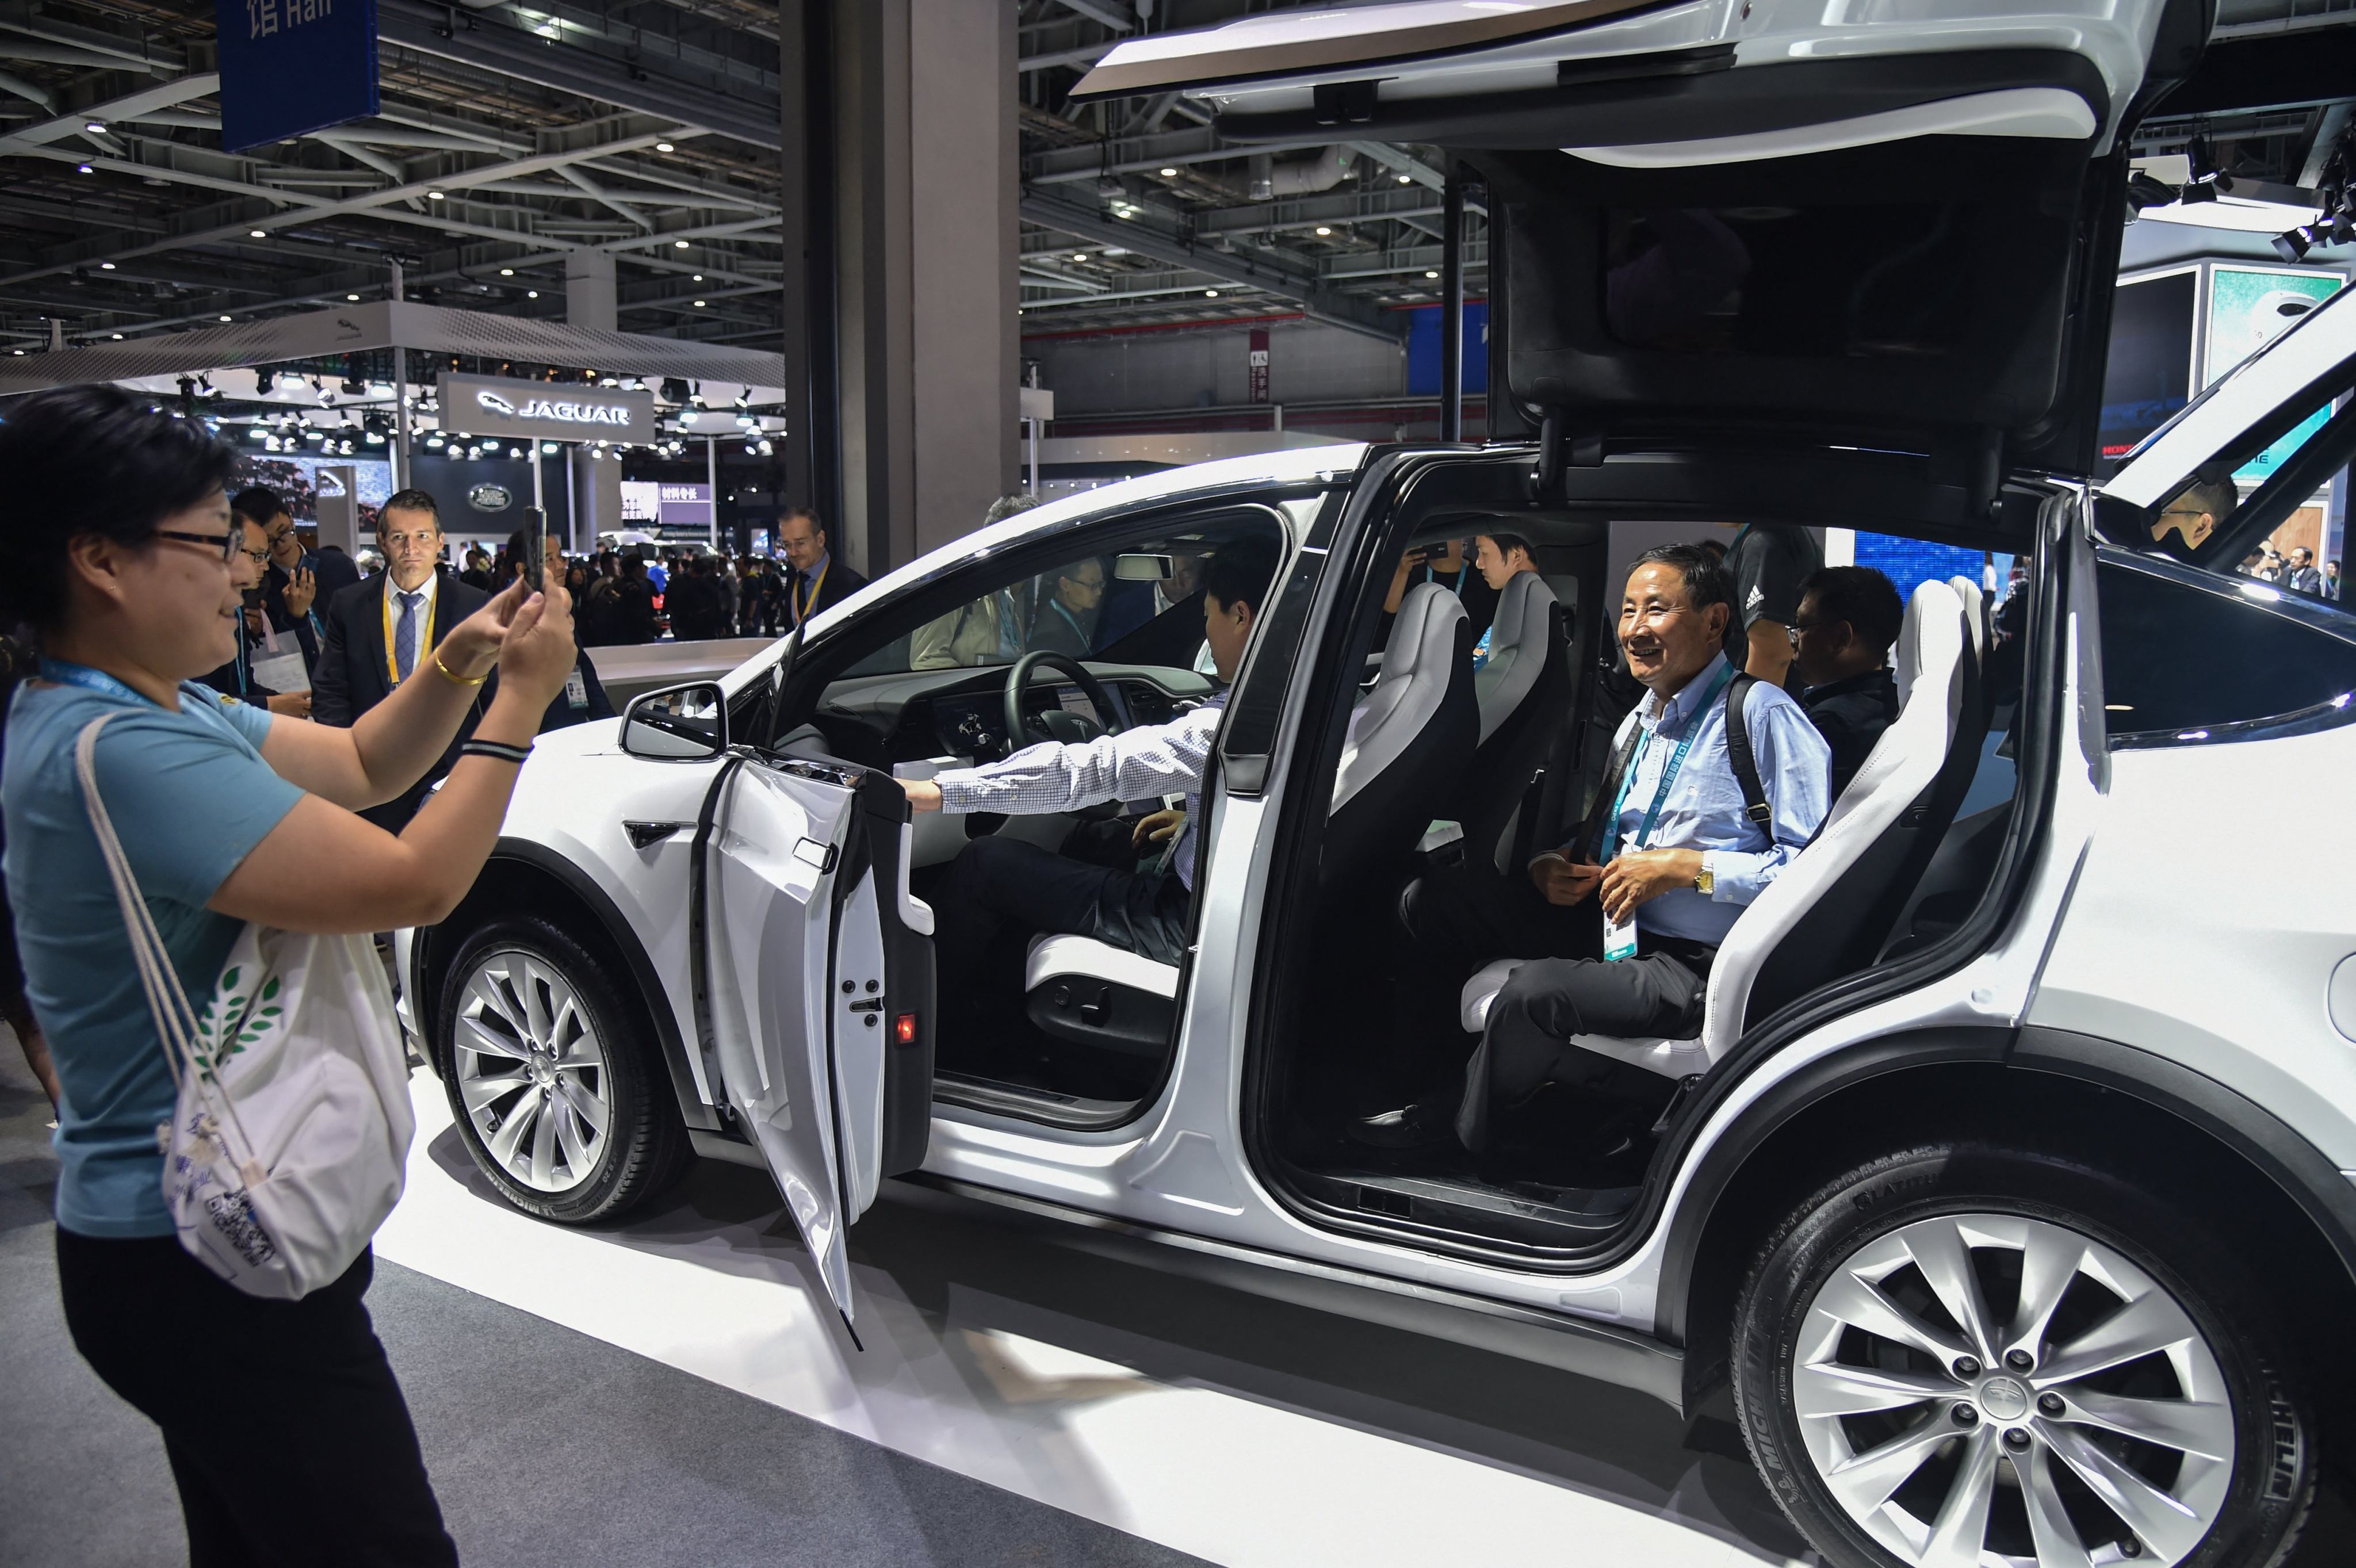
(566,411)
(496,404)
(489,497)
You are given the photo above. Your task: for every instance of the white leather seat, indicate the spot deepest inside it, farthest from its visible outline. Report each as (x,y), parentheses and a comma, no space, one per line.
(1975,611)
(1418,662)
(1517,650)
(1933,650)
(1060,956)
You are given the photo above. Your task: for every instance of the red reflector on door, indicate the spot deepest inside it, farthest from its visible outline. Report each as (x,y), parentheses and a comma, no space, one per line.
(904,1028)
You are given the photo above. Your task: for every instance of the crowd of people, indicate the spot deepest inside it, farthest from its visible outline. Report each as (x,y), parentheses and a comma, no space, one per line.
(2295,572)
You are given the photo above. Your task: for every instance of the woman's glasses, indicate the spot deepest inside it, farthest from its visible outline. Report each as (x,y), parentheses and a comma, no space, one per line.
(225,545)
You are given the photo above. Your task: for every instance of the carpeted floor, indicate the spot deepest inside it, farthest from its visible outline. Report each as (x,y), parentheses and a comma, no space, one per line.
(547,1447)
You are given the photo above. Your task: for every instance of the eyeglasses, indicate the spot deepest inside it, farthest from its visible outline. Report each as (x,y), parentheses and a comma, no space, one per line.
(227,544)
(1797,628)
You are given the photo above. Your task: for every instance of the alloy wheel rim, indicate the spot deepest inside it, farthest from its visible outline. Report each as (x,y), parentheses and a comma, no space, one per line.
(1993,1390)
(531,1071)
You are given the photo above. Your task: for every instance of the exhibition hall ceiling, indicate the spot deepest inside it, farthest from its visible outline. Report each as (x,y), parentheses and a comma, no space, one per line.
(514,135)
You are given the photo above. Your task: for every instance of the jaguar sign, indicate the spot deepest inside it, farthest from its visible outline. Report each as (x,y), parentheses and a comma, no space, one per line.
(479,405)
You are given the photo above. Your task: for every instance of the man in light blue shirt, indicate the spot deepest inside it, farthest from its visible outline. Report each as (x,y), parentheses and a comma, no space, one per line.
(1624,921)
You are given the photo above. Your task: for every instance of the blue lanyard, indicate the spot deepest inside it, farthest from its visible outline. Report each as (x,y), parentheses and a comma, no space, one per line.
(1676,761)
(89,680)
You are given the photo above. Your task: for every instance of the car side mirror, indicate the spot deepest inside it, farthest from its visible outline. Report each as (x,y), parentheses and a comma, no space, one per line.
(678,724)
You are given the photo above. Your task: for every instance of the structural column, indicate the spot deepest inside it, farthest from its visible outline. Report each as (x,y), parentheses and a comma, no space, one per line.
(589,297)
(909,225)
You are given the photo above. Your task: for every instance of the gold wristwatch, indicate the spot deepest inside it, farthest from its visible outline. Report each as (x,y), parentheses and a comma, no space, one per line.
(1705,882)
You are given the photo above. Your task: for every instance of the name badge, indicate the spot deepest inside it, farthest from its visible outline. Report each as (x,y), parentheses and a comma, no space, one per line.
(1619,936)
(577,690)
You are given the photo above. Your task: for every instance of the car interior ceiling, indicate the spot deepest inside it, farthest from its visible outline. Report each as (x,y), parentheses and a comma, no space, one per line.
(1333,1050)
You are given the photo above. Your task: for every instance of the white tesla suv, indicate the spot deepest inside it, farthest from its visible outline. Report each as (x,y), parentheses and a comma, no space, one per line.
(2007,1187)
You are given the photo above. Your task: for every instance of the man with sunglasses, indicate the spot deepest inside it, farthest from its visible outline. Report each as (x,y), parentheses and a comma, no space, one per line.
(249,556)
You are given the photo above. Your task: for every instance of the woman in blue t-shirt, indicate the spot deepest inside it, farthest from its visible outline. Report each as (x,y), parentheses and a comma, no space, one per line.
(284,1428)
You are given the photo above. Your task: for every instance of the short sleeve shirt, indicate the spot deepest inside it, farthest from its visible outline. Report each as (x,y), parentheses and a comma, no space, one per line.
(191,796)
(1769,566)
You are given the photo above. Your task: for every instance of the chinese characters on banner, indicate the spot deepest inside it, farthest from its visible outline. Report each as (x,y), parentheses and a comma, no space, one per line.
(1258,380)
(291,67)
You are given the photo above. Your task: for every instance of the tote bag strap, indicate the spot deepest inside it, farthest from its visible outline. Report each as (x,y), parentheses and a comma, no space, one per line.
(176,1020)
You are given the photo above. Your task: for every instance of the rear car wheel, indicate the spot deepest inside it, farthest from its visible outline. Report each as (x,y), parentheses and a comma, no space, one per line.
(1964,1355)
(552,1076)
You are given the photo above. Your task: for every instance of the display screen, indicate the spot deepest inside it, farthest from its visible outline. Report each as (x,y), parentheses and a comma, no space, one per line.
(2148,376)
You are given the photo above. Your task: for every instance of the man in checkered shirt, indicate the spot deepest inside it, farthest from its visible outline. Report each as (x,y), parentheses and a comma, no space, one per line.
(999,884)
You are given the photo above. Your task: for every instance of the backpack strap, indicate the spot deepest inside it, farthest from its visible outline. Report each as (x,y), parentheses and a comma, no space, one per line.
(1596,829)
(1738,753)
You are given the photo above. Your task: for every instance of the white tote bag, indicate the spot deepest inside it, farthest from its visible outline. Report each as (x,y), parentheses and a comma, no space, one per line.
(289,1140)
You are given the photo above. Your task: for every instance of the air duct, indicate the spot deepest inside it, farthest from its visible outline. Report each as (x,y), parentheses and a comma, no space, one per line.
(1299,177)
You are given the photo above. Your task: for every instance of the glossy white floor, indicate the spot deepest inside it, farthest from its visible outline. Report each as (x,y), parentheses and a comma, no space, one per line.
(1211,1443)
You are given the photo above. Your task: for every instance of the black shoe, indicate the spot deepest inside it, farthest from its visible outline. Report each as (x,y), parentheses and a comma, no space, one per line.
(1426,1124)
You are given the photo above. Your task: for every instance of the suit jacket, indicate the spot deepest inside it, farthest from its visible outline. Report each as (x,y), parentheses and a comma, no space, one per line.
(840,583)
(350,678)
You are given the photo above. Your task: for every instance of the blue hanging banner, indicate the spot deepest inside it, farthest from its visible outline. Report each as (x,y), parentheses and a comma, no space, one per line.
(291,66)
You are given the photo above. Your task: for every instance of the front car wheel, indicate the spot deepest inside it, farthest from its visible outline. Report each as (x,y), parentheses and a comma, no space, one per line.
(1965,1357)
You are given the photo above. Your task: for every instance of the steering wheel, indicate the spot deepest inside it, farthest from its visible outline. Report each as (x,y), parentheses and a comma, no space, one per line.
(1022,729)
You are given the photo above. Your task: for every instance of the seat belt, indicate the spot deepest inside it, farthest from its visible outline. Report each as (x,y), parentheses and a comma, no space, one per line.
(1738,755)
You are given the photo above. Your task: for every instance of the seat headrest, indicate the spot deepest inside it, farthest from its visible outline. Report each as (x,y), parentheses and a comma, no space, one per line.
(1424,633)
(1418,661)
(1974,616)
(1521,618)
(1934,616)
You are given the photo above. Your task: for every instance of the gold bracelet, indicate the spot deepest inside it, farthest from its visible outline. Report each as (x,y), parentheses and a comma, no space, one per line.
(455,680)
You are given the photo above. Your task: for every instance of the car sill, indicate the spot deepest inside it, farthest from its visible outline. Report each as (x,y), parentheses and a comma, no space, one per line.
(1617,1356)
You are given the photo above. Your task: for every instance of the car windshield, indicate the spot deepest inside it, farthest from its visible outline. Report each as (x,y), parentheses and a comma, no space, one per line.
(1079,607)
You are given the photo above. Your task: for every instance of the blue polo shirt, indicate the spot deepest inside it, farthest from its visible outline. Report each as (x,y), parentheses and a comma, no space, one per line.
(189,796)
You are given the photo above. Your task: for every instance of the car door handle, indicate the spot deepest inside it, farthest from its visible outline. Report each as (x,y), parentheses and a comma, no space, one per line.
(645,835)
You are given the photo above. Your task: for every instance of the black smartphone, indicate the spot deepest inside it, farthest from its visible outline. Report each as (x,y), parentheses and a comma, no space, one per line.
(535,549)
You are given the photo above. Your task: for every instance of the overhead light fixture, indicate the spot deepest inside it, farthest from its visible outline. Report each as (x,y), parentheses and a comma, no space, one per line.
(687,416)
(550,29)
(2292,244)
(106,266)
(1407,179)
(699,305)
(93,125)
(548,448)
(1170,174)
(696,278)
(531,294)
(515,451)
(506,271)
(665,147)
(434,442)
(1431,274)
(83,169)
(1211,293)
(750,450)
(117,336)
(353,297)
(674,389)
(767,450)
(258,433)
(434,196)
(1323,231)
(224,319)
(1079,255)
(257,233)
(679,245)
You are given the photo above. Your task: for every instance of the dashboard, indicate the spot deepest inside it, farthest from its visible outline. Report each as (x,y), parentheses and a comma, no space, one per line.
(878,720)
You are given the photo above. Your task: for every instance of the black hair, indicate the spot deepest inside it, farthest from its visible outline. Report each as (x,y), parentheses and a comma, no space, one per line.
(817,523)
(634,563)
(86,460)
(1241,574)
(1707,583)
(1508,544)
(1863,597)
(259,503)
(410,500)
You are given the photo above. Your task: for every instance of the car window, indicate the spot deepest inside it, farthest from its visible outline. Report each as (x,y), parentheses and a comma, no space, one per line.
(2186,653)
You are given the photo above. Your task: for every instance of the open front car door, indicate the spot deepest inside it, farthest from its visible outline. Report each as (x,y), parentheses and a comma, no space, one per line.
(817,1007)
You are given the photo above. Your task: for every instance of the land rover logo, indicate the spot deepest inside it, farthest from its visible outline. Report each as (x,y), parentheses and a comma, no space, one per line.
(566,412)
(489,497)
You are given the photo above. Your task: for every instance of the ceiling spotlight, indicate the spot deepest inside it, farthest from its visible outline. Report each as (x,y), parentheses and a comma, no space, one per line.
(699,305)
(531,294)
(434,196)
(665,147)
(257,233)
(698,278)
(118,337)
(106,266)
(2292,244)
(767,450)
(687,416)
(1170,174)
(1211,293)
(747,421)
(259,433)
(353,297)
(1407,179)
(1079,255)
(434,442)
(1431,274)
(679,245)
(515,451)
(548,448)
(506,271)
(93,125)
(750,450)
(83,169)
(224,319)
(674,389)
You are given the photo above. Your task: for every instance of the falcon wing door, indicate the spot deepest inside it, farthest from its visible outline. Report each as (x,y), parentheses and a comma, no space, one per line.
(819,990)
(1893,228)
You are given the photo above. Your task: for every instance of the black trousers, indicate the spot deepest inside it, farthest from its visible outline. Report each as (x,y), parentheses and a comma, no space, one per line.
(287,1435)
(999,887)
(1458,920)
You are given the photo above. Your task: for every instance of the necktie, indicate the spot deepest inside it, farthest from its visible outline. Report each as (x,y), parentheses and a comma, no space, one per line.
(404,635)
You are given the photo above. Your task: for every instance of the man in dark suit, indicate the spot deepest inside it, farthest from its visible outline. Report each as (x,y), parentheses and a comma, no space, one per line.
(814,579)
(384,630)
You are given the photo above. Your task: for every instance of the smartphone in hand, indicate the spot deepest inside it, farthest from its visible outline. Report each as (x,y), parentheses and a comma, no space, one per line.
(535,549)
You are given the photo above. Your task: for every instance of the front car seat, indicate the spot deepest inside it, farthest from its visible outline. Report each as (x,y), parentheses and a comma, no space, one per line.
(1827,913)
(1524,694)
(1411,739)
